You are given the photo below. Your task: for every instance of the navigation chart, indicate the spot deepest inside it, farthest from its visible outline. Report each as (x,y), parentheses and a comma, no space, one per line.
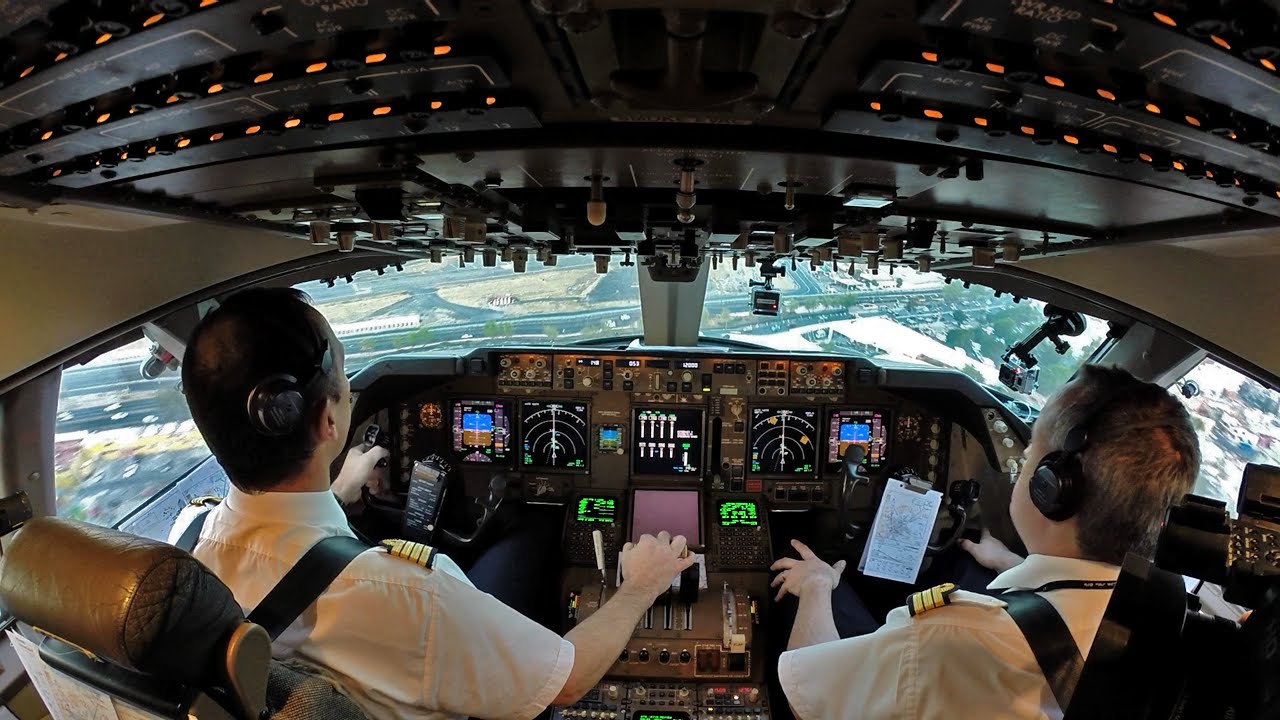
(900,532)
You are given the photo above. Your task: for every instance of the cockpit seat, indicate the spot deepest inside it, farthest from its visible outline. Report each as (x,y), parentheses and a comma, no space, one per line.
(148,624)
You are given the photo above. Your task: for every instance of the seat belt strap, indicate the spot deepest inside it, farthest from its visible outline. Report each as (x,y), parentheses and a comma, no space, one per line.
(1050,640)
(304,583)
(187,541)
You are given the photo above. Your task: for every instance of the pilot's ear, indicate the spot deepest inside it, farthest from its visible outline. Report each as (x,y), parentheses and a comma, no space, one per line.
(326,423)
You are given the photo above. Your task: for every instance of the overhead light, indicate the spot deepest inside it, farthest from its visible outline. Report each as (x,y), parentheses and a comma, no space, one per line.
(980,122)
(442,50)
(335,117)
(869,196)
(1055,81)
(317,67)
(1106,94)
(215,137)
(875,106)
(1178,166)
(104,37)
(1268,64)
(215,88)
(1165,19)
(1153,108)
(183,142)
(490,100)
(372,58)
(252,129)
(930,56)
(1193,120)
(292,123)
(436,104)
(1220,42)
(996,68)
(1071,139)
(63,56)
(263,77)
(935,114)
(153,20)
(46,135)
(1145,157)
(27,72)
(382,110)
(1028,130)
(103,118)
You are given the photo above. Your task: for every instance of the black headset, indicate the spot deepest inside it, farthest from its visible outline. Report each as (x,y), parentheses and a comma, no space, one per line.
(1057,486)
(278,404)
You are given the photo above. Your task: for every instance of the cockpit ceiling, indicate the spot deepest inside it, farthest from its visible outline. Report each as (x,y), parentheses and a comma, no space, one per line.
(944,134)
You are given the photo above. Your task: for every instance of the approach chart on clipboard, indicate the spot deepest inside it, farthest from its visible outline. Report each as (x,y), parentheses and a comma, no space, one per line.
(900,532)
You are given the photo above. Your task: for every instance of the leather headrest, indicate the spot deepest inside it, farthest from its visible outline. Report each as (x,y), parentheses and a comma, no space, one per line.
(142,604)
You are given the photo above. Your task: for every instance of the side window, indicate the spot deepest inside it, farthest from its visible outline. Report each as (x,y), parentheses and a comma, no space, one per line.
(120,439)
(1238,421)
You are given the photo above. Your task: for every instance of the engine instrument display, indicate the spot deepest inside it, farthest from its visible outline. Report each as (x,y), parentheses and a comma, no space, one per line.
(783,441)
(481,430)
(554,435)
(597,509)
(738,513)
(860,426)
(667,441)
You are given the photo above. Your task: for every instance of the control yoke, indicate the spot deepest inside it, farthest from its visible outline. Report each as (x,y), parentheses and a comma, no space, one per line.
(489,505)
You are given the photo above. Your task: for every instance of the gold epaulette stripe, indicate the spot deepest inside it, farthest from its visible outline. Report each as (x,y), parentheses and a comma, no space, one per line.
(416,552)
(926,600)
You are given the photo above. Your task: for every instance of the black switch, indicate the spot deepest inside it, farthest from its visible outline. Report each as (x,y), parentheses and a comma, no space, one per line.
(739,426)
(671,387)
(627,385)
(568,372)
(686,387)
(568,384)
(740,368)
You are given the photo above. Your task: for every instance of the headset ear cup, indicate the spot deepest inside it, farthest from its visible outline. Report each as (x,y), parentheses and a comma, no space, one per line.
(1053,485)
(276,405)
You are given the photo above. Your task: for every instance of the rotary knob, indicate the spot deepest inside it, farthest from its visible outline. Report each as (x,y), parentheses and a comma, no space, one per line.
(639,691)
(685,656)
(664,656)
(1000,426)
(586,382)
(643,656)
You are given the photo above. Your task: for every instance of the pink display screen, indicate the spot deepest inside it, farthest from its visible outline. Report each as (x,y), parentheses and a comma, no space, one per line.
(675,511)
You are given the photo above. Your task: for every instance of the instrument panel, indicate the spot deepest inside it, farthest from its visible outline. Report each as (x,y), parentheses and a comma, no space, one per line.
(565,423)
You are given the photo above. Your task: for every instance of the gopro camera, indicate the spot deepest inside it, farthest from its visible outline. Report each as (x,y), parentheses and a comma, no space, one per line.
(1018,377)
(765,301)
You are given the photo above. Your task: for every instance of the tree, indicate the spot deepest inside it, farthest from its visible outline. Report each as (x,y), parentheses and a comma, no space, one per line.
(551,331)
(973,372)
(898,282)
(961,338)
(953,293)
(490,328)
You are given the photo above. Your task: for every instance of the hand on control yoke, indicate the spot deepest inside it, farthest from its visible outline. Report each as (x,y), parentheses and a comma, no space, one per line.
(359,469)
(651,564)
(991,553)
(808,574)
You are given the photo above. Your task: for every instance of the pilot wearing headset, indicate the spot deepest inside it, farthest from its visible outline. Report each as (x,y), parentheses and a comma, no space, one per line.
(263,377)
(1108,456)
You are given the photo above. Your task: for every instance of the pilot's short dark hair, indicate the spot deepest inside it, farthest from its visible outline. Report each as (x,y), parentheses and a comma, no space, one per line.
(1141,456)
(251,336)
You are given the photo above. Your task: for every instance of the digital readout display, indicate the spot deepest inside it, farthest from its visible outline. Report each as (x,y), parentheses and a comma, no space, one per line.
(737,513)
(597,509)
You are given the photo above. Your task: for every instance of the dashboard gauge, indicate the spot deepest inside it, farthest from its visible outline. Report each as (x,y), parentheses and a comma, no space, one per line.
(784,442)
(908,428)
(555,435)
(431,416)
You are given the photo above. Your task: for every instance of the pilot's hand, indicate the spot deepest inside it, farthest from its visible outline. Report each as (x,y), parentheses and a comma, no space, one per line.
(359,470)
(991,553)
(652,563)
(808,574)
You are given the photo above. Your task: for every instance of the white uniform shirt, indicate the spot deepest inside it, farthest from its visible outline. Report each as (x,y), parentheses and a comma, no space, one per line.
(964,660)
(406,641)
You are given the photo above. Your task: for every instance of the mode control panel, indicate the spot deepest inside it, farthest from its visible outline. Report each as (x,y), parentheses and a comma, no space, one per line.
(618,700)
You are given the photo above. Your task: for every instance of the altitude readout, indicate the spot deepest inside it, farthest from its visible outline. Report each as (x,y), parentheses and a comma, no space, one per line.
(555,435)
(481,429)
(783,441)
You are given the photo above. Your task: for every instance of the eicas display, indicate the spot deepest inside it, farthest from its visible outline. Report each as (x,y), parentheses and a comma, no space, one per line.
(555,435)
(667,441)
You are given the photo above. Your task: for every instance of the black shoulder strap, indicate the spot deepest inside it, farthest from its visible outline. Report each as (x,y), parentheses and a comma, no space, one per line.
(304,583)
(187,541)
(1050,641)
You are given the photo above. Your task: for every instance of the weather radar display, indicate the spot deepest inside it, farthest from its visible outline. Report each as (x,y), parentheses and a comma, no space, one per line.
(784,442)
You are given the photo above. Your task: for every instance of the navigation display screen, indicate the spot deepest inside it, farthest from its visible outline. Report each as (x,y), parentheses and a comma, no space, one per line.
(738,513)
(555,435)
(666,441)
(783,441)
(651,715)
(675,511)
(481,430)
(597,509)
(867,427)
